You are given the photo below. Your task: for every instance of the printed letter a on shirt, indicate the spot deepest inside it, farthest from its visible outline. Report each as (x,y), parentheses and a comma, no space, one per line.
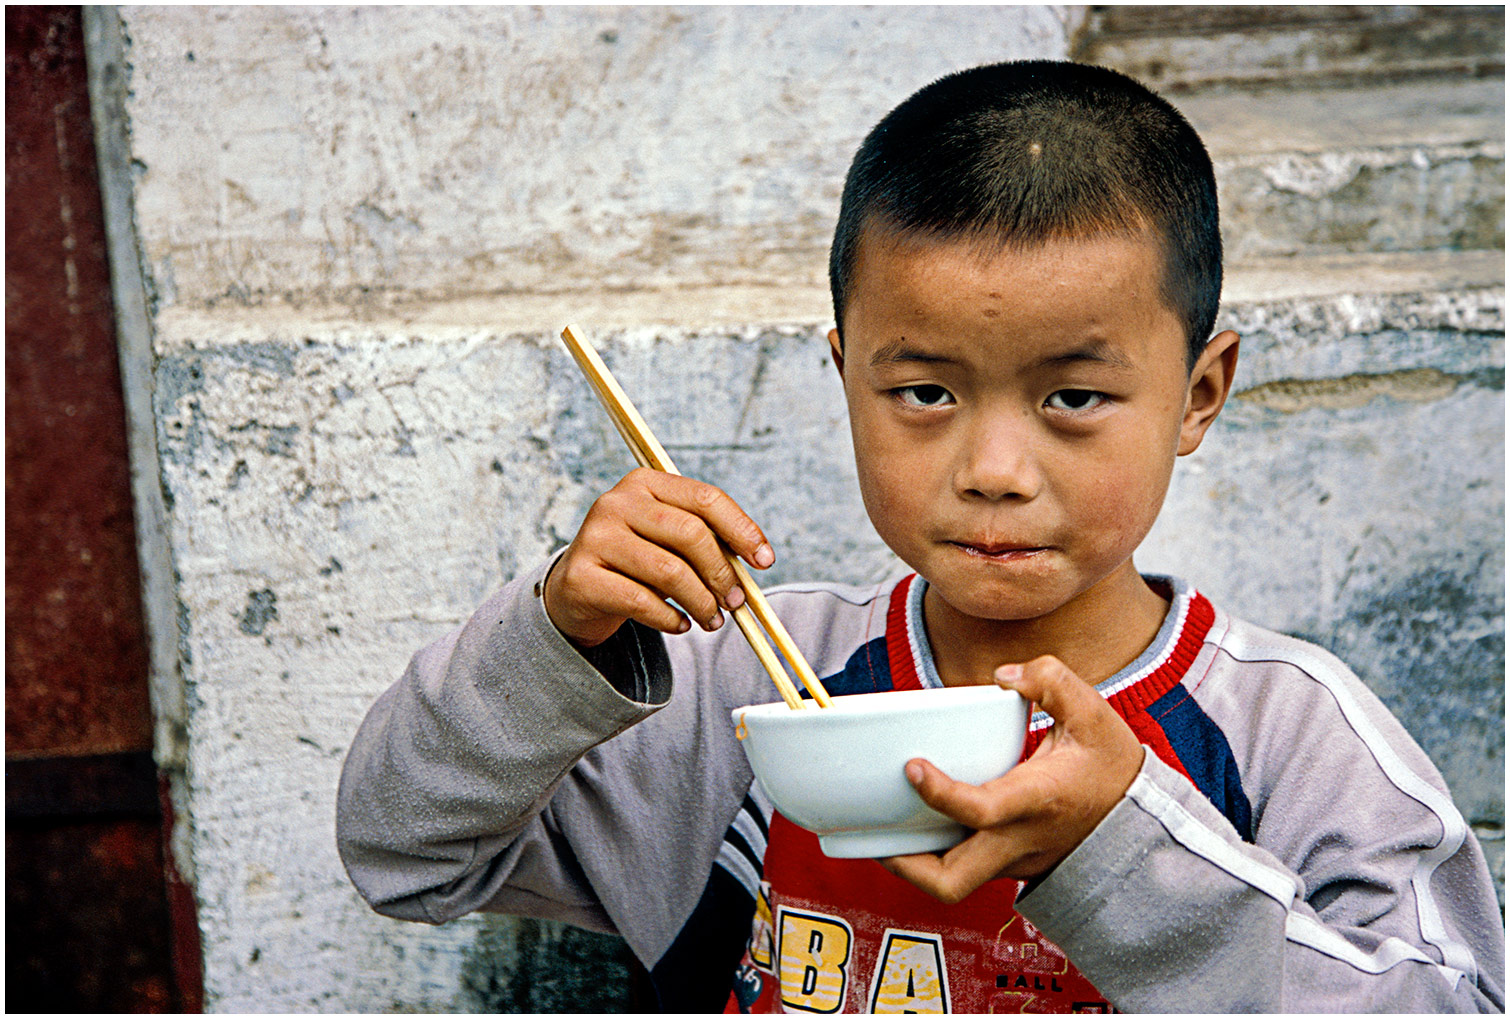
(812,960)
(910,977)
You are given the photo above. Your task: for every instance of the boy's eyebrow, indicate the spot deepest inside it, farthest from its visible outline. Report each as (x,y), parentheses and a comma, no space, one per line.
(1099,351)
(898,352)
(1095,350)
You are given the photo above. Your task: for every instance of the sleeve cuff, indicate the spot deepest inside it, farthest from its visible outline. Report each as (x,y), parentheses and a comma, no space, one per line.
(525,669)
(1069,894)
(633,660)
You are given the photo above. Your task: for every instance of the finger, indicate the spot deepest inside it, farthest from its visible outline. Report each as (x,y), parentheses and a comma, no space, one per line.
(976,806)
(721,512)
(980,858)
(689,537)
(622,597)
(925,870)
(957,873)
(666,575)
(1054,688)
(1082,718)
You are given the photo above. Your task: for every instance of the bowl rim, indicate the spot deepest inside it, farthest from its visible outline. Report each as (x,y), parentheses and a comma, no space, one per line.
(870,704)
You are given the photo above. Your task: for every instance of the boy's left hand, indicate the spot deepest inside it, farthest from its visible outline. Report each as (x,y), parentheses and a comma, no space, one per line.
(1036,814)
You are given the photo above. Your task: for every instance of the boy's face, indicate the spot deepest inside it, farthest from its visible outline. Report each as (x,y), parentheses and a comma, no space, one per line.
(1016,415)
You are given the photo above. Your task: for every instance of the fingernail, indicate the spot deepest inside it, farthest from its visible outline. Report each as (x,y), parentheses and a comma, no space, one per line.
(1007,675)
(716,621)
(735,598)
(914,772)
(764,556)
(682,626)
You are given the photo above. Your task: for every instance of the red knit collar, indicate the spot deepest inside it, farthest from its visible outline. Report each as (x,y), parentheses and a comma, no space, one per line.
(1153,674)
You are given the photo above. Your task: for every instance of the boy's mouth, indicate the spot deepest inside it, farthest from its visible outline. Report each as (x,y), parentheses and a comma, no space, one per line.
(1003,551)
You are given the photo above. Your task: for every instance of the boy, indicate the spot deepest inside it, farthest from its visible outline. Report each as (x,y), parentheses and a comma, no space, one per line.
(1212,817)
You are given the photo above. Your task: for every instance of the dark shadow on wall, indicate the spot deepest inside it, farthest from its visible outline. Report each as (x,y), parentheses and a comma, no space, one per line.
(526,965)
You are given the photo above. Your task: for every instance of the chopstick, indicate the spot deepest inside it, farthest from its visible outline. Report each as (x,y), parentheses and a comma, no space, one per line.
(648,452)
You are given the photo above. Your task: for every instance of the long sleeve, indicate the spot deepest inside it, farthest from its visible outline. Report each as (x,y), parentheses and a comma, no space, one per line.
(443,796)
(506,771)
(1363,889)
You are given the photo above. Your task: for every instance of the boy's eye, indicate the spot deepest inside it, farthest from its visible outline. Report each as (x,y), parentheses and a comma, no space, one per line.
(1075,399)
(924,396)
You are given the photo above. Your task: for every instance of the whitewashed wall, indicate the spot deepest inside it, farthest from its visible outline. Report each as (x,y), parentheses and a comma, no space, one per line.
(360,230)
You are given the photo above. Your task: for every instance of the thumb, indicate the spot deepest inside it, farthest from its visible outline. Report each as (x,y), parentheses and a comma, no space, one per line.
(1056,689)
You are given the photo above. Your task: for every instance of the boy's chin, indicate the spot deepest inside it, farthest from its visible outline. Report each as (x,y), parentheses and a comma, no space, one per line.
(999,606)
(1025,598)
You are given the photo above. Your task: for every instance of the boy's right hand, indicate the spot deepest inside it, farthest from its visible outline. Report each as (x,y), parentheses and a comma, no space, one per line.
(650,538)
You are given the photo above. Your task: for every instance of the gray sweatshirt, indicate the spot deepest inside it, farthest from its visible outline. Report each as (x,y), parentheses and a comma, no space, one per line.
(1285,847)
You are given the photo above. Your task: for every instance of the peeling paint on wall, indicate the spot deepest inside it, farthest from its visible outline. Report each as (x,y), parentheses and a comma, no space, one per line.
(1417,385)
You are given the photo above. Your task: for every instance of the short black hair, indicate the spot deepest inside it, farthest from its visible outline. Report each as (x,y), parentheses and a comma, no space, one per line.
(1023,152)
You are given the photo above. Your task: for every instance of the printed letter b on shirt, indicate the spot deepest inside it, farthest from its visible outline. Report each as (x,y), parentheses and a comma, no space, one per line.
(910,975)
(812,960)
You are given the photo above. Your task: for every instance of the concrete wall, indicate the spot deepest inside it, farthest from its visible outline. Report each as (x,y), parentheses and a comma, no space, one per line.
(360,230)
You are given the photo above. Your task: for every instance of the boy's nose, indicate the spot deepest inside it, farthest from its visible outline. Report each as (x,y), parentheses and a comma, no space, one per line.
(999,462)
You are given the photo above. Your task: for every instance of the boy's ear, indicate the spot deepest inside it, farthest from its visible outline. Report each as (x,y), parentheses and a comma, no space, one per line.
(836,346)
(1210,383)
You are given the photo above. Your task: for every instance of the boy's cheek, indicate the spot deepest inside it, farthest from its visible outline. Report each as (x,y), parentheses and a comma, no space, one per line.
(892,473)
(889,511)
(1126,488)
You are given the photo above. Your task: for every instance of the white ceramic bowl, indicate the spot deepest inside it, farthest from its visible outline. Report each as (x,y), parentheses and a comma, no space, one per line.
(838,772)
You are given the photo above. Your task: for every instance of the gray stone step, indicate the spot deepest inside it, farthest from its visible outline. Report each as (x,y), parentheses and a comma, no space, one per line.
(1351,276)
(1358,280)
(1184,48)
(1167,19)
(1393,167)
(1363,325)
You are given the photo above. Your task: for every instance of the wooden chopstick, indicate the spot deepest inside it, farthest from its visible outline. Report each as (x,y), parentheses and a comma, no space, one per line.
(742,616)
(648,452)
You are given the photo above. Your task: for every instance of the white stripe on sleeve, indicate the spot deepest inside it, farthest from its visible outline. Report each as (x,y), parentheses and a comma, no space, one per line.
(1327,672)
(1279,885)
(1189,832)
(739,867)
(1308,931)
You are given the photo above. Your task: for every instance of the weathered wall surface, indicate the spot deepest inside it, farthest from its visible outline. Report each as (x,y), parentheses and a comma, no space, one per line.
(362,230)
(345,152)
